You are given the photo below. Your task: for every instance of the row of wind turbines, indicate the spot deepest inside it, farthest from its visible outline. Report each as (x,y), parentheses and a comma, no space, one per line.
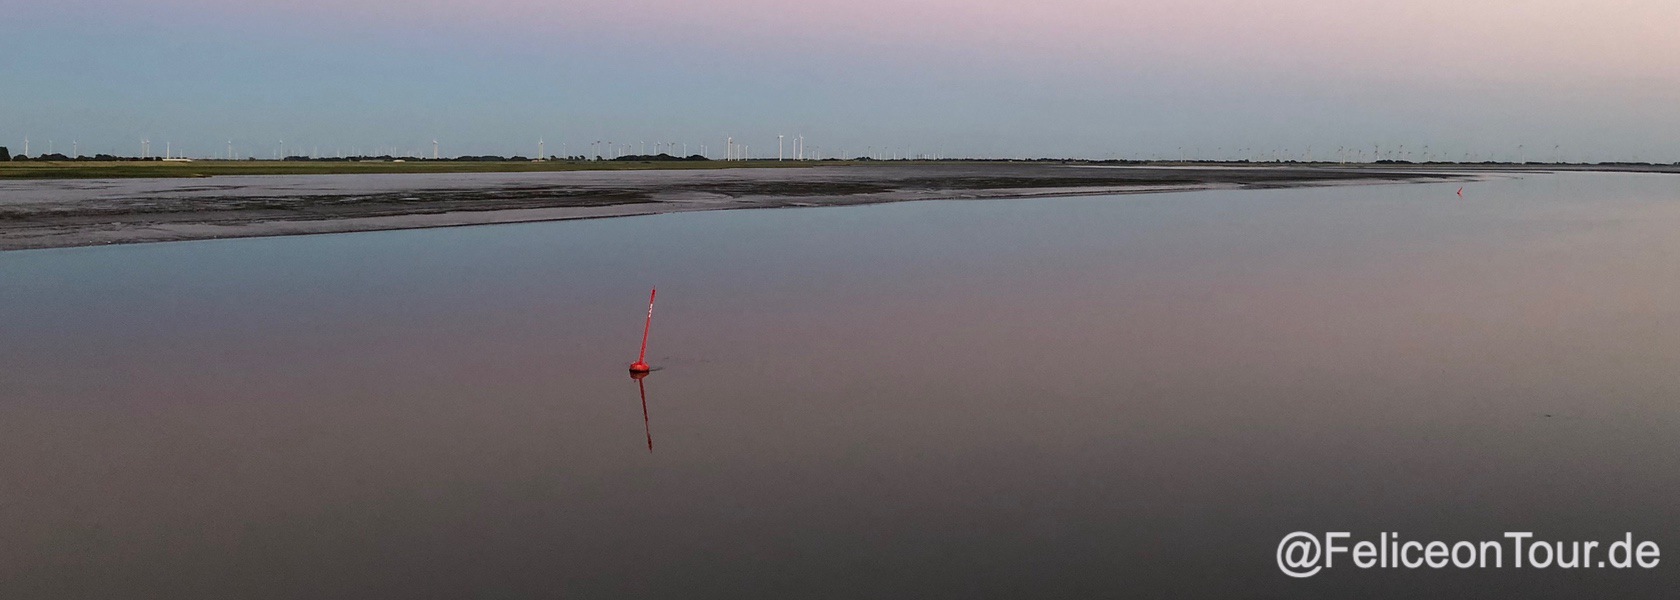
(75,148)
(1351,154)
(788,147)
(795,147)
(732,149)
(598,150)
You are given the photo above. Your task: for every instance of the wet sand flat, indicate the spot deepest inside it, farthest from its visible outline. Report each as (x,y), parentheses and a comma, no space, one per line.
(64,213)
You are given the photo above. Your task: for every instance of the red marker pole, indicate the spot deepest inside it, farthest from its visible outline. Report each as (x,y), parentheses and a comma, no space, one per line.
(640,365)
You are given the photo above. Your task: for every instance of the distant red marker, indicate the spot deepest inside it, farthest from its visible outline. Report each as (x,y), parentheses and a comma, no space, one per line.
(1461,192)
(640,366)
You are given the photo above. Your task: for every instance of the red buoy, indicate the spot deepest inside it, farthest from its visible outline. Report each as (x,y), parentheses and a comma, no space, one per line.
(640,366)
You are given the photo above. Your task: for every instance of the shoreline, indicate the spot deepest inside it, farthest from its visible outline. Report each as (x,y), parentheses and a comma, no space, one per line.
(45,214)
(41,170)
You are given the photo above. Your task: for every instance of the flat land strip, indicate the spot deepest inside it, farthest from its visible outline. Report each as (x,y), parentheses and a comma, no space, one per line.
(67,211)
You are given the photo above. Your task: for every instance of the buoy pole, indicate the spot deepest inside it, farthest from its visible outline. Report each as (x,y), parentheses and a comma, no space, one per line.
(640,366)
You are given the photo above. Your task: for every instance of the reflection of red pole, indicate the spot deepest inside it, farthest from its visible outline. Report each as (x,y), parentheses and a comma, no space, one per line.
(645,424)
(641,359)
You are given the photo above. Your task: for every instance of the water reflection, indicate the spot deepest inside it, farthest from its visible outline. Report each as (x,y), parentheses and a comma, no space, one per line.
(294,415)
(641,388)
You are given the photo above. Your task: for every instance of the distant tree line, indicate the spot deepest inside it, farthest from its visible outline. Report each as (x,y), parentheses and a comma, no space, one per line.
(483,158)
(663,157)
(488,158)
(6,155)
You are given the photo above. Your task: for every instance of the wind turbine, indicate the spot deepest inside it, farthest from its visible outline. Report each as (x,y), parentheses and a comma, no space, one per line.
(434,149)
(778,147)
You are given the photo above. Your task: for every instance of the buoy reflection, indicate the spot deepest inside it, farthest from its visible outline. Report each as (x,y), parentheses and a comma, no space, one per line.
(647,425)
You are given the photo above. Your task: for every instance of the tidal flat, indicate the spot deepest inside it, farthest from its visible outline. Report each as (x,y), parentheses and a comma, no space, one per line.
(86,212)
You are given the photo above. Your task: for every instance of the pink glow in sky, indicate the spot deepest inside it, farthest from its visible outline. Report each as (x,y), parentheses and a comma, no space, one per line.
(1598,75)
(1550,39)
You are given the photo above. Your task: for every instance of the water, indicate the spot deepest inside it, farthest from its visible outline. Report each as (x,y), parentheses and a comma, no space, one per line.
(1098,396)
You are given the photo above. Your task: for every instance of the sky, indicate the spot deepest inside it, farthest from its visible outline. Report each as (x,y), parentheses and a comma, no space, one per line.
(1576,80)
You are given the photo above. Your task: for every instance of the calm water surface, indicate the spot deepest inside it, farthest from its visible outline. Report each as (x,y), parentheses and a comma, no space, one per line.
(1132,396)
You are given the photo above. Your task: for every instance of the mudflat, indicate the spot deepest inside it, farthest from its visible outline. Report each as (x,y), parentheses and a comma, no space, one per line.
(82,212)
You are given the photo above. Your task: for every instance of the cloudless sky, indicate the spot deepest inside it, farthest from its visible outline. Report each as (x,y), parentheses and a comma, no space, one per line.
(1576,79)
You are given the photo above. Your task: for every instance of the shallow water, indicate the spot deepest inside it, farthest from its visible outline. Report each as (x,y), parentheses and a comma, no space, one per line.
(1096,396)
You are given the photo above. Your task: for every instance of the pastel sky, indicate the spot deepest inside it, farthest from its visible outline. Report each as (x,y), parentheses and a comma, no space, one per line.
(1576,79)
